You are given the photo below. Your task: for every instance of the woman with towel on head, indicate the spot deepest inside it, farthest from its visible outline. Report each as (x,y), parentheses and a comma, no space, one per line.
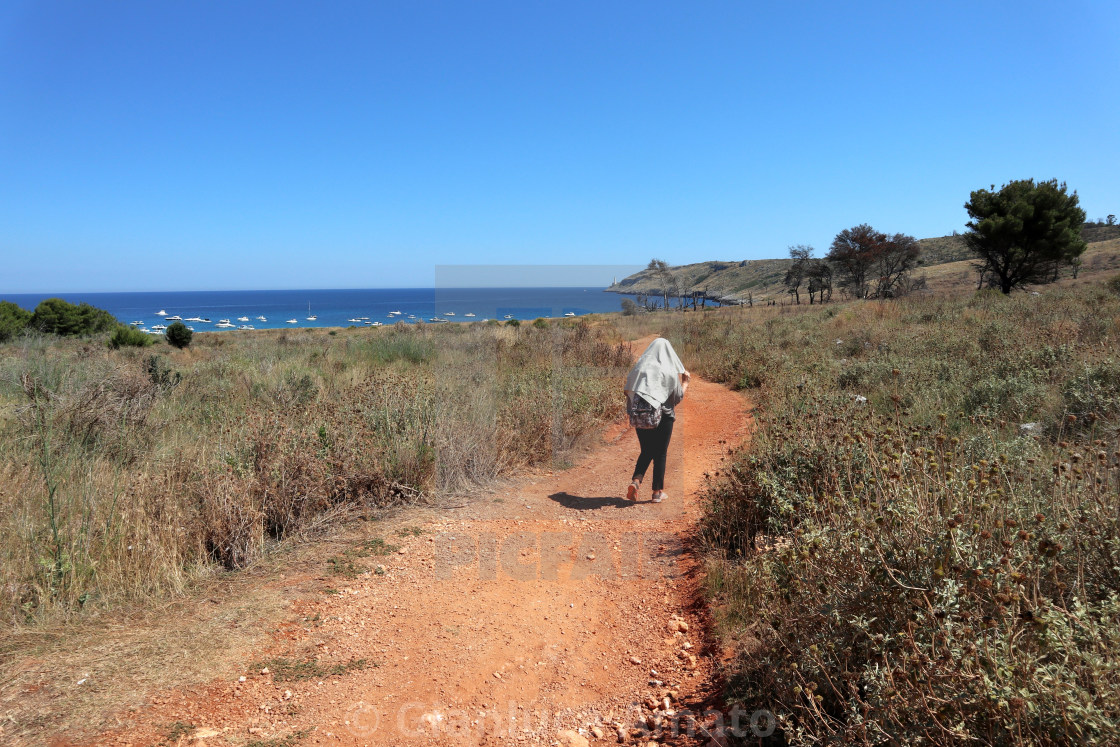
(654,386)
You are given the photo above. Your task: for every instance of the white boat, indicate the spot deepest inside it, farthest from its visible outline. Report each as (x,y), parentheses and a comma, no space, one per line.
(145,329)
(411,316)
(242,318)
(191,329)
(376,324)
(193,319)
(159,327)
(138,324)
(223,321)
(355,320)
(261,319)
(205,319)
(161,312)
(450,313)
(570,313)
(508,316)
(225,324)
(469,313)
(175,318)
(246,326)
(292,321)
(310,317)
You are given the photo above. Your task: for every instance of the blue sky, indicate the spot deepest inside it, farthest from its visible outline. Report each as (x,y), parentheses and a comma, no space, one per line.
(209,145)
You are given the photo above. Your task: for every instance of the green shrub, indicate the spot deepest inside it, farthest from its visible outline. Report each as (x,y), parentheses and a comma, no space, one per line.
(398,345)
(179,335)
(129,337)
(539,323)
(1019,396)
(161,374)
(513,323)
(13,320)
(58,317)
(1095,391)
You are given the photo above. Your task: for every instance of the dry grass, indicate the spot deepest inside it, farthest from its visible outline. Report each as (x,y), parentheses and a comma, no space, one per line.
(61,678)
(125,473)
(938,483)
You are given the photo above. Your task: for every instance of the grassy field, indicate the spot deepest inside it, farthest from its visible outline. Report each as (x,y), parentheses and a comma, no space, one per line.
(128,472)
(921,544)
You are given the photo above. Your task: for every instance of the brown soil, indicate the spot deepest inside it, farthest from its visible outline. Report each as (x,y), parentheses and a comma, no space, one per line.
(547,605)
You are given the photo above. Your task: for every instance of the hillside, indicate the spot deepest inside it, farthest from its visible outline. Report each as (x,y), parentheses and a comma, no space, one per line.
(717,280)
(945,259)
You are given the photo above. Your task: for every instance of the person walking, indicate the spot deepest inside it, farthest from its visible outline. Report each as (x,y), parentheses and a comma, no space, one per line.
(655,385)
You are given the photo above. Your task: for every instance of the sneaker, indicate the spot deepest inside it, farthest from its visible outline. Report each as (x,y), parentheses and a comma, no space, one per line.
(658,497)
(632,491)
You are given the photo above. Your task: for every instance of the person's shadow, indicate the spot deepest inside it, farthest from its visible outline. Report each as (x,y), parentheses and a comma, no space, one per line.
(581,503)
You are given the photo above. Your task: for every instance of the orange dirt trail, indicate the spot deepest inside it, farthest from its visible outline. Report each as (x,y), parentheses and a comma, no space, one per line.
(542,607)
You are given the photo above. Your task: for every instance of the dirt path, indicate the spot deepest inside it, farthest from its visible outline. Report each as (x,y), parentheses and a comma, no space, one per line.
(550,605)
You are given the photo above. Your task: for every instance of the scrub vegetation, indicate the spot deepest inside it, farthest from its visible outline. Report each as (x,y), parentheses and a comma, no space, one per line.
(123,472)
(921,542)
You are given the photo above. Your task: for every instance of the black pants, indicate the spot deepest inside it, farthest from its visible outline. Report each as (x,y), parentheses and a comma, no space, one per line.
(655,446)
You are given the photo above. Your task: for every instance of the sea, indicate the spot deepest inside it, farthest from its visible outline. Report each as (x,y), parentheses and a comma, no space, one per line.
(287,309)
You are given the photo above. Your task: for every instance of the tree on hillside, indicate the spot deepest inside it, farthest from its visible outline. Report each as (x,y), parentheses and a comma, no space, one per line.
(1024,232)
(872,264)
(819,275)
(802,256)
(58,317)
(665,277)
(851,253)
(179,335)
(894,265)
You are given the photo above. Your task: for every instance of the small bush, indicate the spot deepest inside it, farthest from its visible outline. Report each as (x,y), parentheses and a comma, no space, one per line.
(1113,284)
(539,323)
(179,335)
(1094,392)
(129,337)
(1019,396)
(399,345)
(161,374)
(513,323)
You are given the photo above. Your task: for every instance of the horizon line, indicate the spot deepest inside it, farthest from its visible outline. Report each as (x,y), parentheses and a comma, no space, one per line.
(4,293)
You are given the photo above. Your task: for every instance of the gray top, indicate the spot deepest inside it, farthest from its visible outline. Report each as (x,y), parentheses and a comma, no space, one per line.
(656,377)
